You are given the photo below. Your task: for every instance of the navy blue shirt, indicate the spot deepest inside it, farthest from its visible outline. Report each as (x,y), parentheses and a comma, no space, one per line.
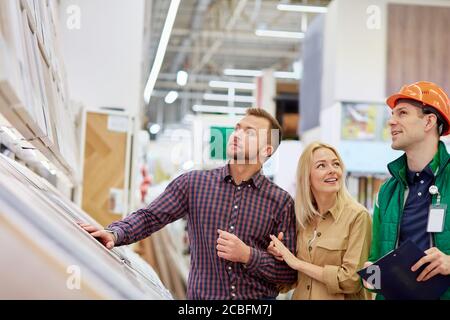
(415,213)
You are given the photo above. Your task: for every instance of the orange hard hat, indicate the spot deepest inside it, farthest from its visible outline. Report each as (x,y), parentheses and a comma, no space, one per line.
(430,95)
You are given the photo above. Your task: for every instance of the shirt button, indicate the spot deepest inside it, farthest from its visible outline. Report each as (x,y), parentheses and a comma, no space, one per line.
(231,228)
(229,268)
(235,207)
(310,248)
(308,287)
(417,174)
(233,288)
(239,188)
(421,181)
(319,234)
(248,186)
(233,295)
(419,194)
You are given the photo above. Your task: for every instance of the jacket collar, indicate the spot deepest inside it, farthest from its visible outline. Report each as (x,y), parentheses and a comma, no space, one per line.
(398,167)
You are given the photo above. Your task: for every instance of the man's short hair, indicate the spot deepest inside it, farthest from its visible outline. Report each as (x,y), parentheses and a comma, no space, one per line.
(274,124)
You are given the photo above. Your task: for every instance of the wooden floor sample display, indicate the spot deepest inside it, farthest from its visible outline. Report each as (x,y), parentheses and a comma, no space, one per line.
(46,255)
(104,168)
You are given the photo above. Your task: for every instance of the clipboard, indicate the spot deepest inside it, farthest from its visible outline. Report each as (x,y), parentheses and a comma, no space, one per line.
(398,282)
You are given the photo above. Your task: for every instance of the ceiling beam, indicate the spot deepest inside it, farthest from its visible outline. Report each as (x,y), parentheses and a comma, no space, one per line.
(196,25)
(194,95)
(197,86)
(241,52)
(171,85)
(231,35)
(218,42)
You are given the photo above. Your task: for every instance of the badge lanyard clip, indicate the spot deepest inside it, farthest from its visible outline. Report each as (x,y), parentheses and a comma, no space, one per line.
(436,216)
(435,191)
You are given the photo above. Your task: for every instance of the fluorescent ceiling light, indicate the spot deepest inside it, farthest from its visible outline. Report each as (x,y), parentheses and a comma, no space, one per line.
(279,34)
(218,109)
(162,46)
(242,72)
(154,128)
(257,73)
(171,97)
(182,78)
(301,8)
(235,85)
(224,97)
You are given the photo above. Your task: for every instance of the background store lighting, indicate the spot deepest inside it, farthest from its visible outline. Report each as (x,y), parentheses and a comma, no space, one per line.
(182,78)
(301,8)
(258,73)
(154,128)
(218,109)
(160,52)
(279,34)
(242,72)
(235,85)
(224,97)
(171,97)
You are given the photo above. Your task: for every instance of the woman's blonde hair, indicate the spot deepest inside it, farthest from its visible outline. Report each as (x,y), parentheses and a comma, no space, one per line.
(305,206)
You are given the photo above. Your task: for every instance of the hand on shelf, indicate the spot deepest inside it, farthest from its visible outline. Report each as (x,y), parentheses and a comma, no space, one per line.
(105,237)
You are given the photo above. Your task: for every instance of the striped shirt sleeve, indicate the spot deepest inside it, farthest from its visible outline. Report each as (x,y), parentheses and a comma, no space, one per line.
(168,207)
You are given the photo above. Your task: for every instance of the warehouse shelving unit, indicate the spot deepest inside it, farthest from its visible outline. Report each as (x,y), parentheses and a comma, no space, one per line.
(33,89)
(49,256)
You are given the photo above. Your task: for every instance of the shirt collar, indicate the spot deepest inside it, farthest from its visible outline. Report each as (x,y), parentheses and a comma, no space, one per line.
(412,177)
(335,211)
(255,181)
(427,172)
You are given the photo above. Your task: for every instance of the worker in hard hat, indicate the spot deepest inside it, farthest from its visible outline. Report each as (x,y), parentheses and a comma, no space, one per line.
(420,179)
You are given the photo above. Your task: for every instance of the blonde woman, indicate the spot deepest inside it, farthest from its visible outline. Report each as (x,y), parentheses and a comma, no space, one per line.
(333,237)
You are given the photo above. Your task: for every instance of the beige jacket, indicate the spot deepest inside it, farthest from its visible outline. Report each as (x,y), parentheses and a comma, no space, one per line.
(341,246)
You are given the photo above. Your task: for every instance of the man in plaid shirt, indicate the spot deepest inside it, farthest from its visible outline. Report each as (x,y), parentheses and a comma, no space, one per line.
(231,212)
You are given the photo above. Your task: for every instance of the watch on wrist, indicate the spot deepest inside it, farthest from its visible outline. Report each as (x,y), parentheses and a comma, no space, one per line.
(114,233)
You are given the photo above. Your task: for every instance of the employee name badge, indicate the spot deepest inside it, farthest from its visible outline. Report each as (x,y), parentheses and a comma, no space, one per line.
(436,218)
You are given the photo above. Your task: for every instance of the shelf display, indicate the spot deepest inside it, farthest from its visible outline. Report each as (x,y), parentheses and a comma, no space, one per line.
(49,256)
(33,90)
